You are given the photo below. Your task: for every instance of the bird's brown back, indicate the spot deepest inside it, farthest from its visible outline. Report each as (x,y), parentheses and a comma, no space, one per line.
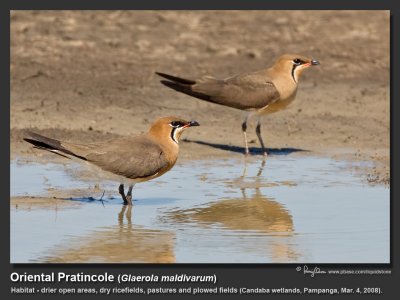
(136,157)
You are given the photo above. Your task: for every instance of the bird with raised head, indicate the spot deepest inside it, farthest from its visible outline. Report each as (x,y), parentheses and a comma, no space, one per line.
(129,159)
(260,93)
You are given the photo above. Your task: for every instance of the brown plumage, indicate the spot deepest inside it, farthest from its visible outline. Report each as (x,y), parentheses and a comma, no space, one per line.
(131,159)
(261,92)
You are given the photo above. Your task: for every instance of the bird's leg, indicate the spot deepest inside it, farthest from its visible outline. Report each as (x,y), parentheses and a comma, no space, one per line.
(122,193)
(244,127)
(129,195)
(258,132)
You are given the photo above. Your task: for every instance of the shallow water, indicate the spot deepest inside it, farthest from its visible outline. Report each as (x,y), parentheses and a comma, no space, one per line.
(282,210)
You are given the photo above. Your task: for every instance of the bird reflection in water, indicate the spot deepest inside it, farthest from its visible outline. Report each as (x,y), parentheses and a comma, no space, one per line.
(125,242)
(255,215)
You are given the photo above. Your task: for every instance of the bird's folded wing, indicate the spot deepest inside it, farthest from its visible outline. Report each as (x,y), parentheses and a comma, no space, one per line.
(248,91)
(129,157)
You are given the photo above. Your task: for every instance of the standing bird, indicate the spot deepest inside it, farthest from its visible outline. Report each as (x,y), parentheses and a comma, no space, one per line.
(129,159)
(259,93)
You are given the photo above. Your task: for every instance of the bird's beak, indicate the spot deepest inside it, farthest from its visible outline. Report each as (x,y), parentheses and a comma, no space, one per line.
(314,62)
(192,123)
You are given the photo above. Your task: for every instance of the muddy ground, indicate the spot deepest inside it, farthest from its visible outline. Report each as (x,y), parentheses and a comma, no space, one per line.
(86,76)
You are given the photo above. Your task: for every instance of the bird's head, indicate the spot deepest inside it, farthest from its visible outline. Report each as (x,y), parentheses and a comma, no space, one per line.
(294,64)
(170,128)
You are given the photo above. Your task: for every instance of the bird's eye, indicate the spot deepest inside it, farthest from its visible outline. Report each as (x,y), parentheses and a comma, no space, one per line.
(297,61)
(176,124)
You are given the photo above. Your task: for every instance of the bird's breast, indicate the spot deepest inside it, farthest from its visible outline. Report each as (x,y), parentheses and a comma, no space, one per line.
(278,105)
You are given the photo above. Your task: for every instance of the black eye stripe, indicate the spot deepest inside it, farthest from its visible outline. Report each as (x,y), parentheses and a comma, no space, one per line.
(298,61)
(176,124)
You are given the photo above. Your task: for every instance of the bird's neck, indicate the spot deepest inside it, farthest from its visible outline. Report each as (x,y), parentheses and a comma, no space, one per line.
(284,82)
(169,146)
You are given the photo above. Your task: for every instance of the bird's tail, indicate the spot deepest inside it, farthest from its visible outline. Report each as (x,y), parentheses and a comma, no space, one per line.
(176,79)
(52,145)
(182,85)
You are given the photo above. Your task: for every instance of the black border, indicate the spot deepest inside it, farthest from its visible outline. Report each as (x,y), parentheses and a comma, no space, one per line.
(229,275)
(204,5)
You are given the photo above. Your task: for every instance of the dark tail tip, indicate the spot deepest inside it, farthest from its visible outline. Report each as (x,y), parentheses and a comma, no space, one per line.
(176,79)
